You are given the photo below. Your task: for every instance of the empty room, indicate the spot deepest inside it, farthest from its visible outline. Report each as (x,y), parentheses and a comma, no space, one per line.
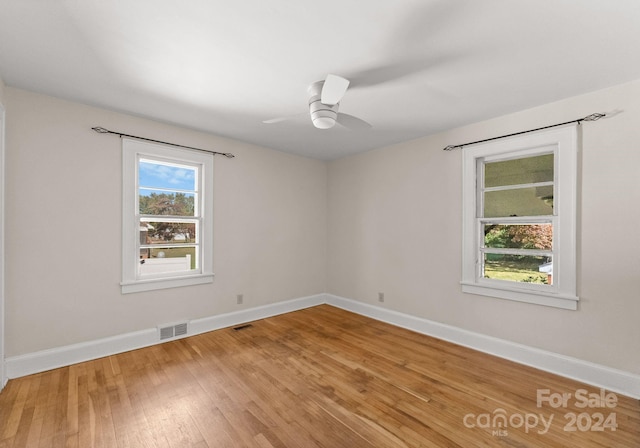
(352,223)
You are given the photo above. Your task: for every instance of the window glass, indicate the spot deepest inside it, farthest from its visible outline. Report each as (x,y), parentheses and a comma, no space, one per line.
(166,188)
(175,232)
(167,245)
(520,171)
(159,253)
(515,188)
(518,236)
(171,176)
(154,202)
(518,268)
(535,201)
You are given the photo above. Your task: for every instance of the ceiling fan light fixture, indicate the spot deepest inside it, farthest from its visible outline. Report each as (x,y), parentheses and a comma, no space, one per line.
(323,116)
(323,122)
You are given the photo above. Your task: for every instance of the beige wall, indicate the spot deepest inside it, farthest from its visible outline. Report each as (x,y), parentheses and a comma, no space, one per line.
(2,319)
(63,227)
(287,227)
(2,88)
(395,227)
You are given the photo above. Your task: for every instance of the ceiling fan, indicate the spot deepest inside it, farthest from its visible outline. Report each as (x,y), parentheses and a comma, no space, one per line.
(324,102)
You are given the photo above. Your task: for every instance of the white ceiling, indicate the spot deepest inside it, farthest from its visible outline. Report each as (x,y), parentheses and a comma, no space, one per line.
(416,66)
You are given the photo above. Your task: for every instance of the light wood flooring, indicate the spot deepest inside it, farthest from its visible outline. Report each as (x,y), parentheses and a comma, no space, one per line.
(320,377)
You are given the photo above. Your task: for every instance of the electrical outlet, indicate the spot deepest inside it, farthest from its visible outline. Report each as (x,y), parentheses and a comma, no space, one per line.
(239,299)
(380,297)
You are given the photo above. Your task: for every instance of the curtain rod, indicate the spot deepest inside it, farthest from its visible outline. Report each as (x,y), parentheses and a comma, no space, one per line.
(592,117)
(102,130)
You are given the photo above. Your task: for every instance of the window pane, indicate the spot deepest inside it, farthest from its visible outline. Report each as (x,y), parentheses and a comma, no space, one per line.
(160,175)
(167,232)
(527,170)
(518,268)
(535,201)
(153,202)
(519,236)
(157,260)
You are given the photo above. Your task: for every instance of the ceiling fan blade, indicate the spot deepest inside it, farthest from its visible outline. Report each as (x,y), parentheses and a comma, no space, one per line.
(353,123)
(275,120)
(333,89)
(293,117)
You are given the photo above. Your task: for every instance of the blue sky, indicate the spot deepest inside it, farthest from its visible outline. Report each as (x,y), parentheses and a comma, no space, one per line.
(165,176)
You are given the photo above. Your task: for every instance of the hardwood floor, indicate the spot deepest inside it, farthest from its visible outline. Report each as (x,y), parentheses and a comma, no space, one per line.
(320,377)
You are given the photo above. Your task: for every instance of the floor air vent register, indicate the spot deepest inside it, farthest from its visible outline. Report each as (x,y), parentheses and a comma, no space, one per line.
(173,331)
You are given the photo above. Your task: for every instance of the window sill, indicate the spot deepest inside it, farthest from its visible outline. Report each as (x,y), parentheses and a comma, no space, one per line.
(165,283)
(563,301)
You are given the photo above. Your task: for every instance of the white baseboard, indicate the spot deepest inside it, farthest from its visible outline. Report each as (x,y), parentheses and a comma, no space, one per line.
(203,325)
(44,360)
(597,375)
(41,361)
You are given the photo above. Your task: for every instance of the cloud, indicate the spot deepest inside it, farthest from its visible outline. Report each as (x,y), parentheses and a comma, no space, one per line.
(166,176)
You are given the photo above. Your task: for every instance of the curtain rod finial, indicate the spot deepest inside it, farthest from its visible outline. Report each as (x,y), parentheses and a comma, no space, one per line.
(450,148)
(100,130)
(228,155)
(594,117)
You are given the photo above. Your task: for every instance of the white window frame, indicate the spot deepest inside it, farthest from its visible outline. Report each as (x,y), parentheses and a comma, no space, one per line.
(563,143)
(132,151)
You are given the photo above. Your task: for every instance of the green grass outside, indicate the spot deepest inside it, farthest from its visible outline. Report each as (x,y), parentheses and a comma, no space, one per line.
(515,271)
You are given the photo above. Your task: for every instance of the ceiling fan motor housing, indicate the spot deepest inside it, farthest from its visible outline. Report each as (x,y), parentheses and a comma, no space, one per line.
(323,116)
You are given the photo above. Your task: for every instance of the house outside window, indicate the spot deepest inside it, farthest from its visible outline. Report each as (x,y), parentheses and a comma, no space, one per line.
(519,218)
(167,217)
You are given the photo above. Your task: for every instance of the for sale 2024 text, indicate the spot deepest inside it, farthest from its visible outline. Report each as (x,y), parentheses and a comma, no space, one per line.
(597,415)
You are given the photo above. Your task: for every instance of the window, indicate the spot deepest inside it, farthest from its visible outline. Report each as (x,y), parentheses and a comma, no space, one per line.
(519,218)
(167,217)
